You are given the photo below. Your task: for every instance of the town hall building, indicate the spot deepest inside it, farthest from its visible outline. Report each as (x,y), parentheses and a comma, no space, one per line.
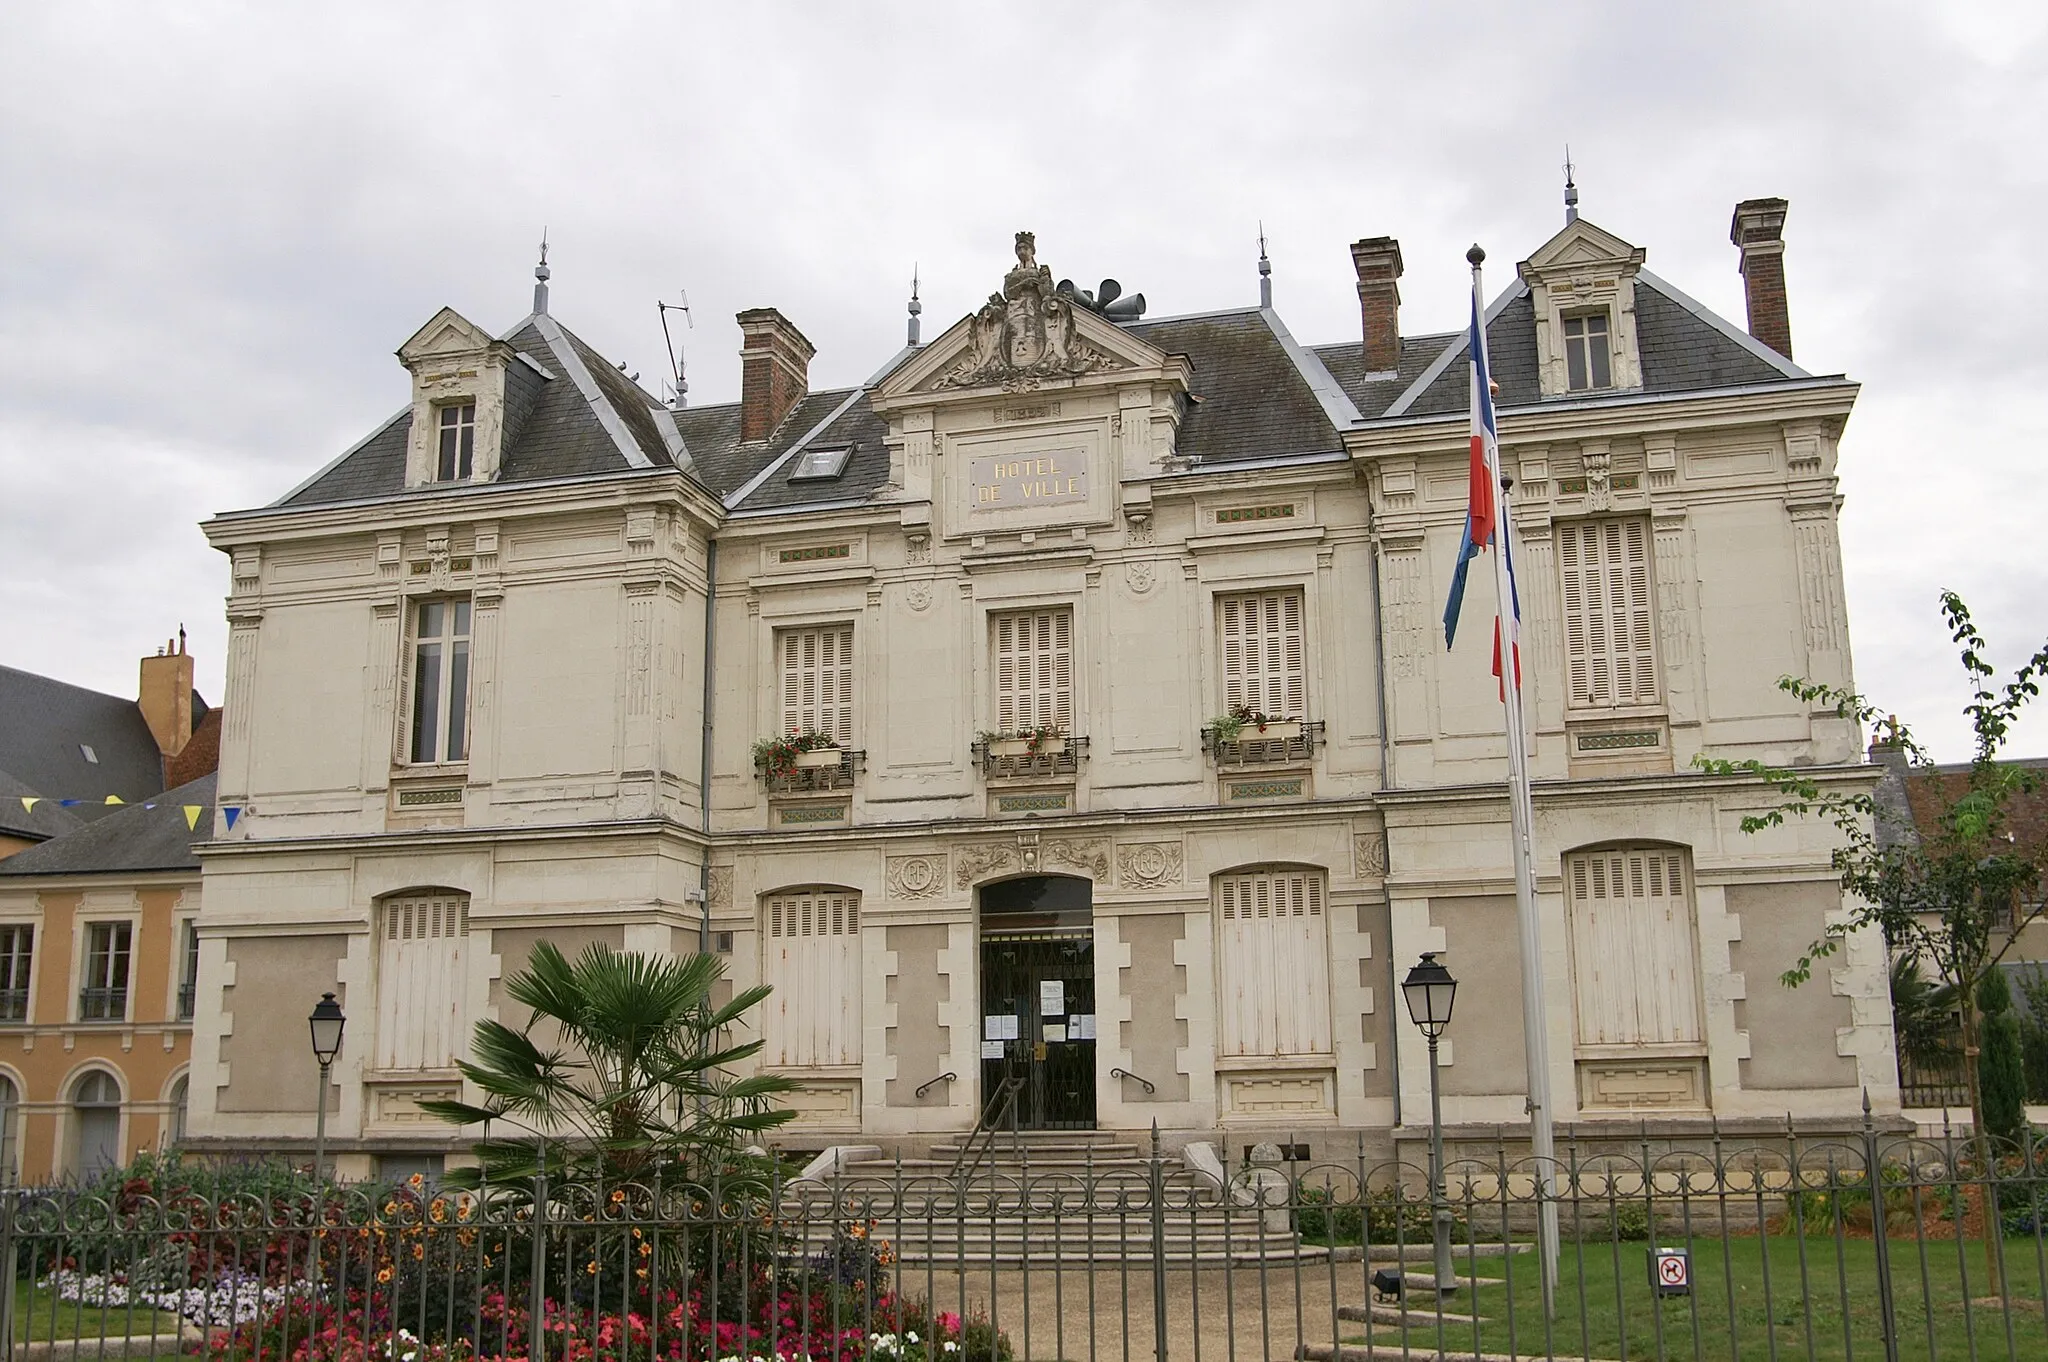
(1067,703)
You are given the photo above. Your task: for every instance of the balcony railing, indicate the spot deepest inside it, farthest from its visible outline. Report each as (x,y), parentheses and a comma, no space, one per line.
(1009,759)
(816,779)
(188,996)
(103,1004)
(1291,743)
(13,1004)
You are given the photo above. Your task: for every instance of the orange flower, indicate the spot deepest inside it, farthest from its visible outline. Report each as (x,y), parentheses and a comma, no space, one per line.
(383,1274)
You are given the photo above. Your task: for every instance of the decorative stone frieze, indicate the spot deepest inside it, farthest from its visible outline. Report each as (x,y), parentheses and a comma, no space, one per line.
(1148,865)
(916,877)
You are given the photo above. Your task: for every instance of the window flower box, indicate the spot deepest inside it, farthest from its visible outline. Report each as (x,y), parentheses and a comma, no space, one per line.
(818,758)
(1026,746)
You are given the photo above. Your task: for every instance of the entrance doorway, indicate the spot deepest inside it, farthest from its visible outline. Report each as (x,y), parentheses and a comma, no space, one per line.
(1038,999)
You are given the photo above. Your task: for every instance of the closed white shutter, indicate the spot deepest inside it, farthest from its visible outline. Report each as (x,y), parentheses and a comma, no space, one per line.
(1034,670)
(1276,963)
(1264,653)
(817,681)
(812,960)
(1635,955)
(1609,629)
(422,982)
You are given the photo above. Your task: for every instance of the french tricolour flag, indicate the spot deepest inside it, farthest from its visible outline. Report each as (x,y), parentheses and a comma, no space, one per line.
(1482,510)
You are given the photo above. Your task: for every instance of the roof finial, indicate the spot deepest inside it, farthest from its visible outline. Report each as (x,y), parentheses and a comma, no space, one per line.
(915,306)
(1265,271)
(1571,190)
(540,276)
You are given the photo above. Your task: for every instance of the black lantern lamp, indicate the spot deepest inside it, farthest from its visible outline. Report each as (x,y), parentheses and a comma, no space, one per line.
(326,1024)
(1430,990)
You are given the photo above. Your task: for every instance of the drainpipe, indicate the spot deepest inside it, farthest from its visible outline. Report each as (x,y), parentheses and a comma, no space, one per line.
(704,747)
(1379,681)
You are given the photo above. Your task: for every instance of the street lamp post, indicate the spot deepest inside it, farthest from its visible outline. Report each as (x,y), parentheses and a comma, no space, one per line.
(1429,991)
(326,1024)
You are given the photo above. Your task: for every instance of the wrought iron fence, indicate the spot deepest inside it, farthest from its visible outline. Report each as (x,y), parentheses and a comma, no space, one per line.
(1788,1248)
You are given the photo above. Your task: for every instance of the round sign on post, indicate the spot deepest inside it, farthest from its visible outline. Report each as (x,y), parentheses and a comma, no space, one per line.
(1671,1271)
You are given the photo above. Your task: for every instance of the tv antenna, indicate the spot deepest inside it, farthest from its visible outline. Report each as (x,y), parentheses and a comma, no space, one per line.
(676,356)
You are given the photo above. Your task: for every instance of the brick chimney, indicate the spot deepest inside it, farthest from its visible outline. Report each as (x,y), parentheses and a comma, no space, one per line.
(164,696)
(775,362)
(1759,232)
(1378,260)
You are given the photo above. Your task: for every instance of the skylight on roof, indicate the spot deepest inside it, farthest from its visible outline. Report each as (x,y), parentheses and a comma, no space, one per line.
(819,465)
(85,750)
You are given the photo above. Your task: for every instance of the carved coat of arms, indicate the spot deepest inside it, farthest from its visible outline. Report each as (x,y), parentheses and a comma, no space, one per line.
(1025,334)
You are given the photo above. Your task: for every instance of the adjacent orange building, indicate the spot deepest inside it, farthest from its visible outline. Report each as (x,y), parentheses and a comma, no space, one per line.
(99,887)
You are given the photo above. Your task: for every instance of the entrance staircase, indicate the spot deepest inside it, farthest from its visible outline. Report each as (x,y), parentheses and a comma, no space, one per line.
(1062,1197)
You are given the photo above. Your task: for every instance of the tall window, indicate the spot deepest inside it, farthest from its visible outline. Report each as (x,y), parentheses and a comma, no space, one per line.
(1264,650)
(10,1111)
(1275,955)
(1588,363)
(440,681)
(1635,957)
(181,1105)
(817,680)
(1609,629)
(458,441)
(188,972)
(811,956)
(96,1123)
(103,995)
(17,954)
(1034,669)
(422,981)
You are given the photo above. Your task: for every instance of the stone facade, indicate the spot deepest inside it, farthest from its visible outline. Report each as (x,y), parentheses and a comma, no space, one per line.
(1062,549)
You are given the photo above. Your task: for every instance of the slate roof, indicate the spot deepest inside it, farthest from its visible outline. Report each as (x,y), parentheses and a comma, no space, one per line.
(132,837)
(563,434)
(1257,395)
(44,723)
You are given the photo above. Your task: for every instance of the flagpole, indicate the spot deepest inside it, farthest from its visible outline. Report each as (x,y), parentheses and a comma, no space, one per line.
(1521,818)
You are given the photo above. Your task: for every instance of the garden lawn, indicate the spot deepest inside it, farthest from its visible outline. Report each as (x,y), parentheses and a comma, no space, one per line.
(41,1314)
(1603,1290)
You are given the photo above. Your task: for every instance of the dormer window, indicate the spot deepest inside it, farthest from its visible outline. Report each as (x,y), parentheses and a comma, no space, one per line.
(819,465)
(1588,358)
(458,442)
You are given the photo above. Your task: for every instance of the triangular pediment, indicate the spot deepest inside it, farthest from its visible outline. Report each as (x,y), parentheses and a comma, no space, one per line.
(1029,335)
(1580,245)
(448,332)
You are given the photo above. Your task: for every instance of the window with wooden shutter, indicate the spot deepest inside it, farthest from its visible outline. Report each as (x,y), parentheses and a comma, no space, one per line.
(1265,649)
(422,981)
(1034,670)
(1274,948)
(1635,956)
(817,680)
(811,957)
(1609,627)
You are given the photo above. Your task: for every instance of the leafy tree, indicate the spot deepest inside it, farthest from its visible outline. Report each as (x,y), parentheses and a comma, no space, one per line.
(1923,1016)
(2004,1078)
(622,1073)
(1952,898)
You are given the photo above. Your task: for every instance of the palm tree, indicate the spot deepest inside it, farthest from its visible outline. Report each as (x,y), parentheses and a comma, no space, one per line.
(621,1073)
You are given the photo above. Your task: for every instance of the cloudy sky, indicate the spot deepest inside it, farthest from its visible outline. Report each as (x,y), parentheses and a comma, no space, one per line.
(218,221)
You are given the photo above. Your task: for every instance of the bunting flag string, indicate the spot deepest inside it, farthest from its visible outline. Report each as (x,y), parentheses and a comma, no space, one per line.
(191,811)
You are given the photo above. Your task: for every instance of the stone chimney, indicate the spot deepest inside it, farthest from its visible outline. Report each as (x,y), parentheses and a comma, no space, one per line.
(775,362)
(1759,232)
(164,696)
(1378,260)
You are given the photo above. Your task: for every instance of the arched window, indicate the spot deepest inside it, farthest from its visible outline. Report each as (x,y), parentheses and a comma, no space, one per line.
(1273,945)
(10,1111)
(422,979)
(174,1124)
(1635,953)
(96,1123)
(810,955)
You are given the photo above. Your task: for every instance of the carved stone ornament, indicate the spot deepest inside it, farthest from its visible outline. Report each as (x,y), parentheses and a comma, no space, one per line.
(1148,865)
(1139,576)
(1026,334)
(1599,495)
(1089,854)
(979,862)
(1369,850)
(719,888)
(916,877)
(919,596)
